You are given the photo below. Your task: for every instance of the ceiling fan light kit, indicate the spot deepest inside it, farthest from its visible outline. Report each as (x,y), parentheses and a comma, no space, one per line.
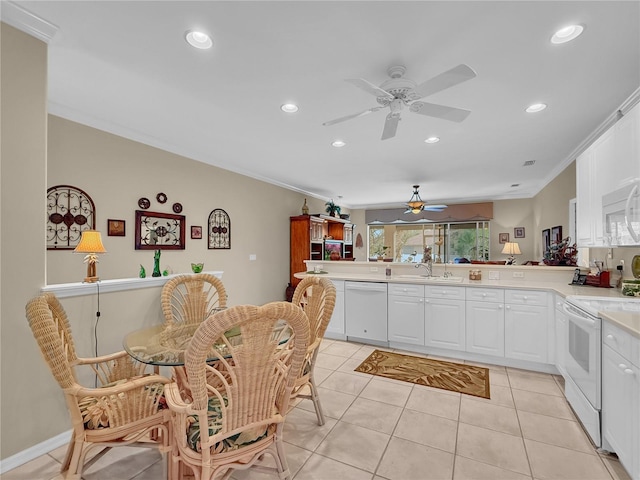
(416,204)
(399,92)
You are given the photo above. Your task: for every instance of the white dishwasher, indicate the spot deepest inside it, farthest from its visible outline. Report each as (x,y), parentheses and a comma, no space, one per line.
(366,311)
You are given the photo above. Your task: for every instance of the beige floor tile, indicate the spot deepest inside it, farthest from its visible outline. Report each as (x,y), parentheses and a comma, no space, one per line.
(41,468)
(157,471)
(122,463)
(321,374)
(490,366)
(363,352)
(499,396)
(326,342)
(494,448)
(323,468)
(356,446)
(342,349)
(411,354)
(542,404)
(330,362)
(467,469)
(350,365)
(498,378)
(387,392)
(59,453)
(427,430)
(483,414)
(301,429)
(405,460)
(541,383)
(296,458)
(615,468)
(345,383)
(333,403)
(558,463)
(377,416)
(555,431)
(434,402)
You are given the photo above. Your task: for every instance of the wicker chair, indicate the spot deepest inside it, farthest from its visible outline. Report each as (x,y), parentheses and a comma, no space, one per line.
(242,395)
(127,409)
(317,297)
(192,298)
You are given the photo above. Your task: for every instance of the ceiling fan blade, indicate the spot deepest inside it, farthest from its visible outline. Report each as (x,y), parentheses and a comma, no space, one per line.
(390,126)
(354,115)
(440,111)
(452,77)
(434,208)
(369,87)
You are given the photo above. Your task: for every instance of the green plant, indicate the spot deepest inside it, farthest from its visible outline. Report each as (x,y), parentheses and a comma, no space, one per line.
(381,250)
(332,208)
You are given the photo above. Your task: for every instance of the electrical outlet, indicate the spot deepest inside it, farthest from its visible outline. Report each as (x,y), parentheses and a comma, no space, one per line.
(493,275)
(374,269)
(252,257)
(518,274)
(610,253)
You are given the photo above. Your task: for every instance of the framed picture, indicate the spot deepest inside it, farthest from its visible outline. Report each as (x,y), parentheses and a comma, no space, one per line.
(518,232)
(546,240)
(556,234)
(115,228)
(196,232)
(503,237)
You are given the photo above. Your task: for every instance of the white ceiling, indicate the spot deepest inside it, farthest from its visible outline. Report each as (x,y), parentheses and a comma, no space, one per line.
(125,67)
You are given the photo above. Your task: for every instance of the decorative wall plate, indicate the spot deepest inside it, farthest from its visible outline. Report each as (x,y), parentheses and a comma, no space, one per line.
(161,198)
(177,207)
(144,203)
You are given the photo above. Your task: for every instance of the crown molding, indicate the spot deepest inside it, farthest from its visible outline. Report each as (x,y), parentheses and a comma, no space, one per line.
(16,16)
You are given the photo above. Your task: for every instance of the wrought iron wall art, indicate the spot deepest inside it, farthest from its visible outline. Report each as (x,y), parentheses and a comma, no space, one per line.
(219,229)
(159,231)
(70,211)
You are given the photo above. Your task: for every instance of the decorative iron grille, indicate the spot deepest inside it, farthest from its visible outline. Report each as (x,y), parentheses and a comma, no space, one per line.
(219,229)
(70,211)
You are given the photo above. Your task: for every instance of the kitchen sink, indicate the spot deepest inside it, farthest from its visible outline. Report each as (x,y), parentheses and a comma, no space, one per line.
(425,278)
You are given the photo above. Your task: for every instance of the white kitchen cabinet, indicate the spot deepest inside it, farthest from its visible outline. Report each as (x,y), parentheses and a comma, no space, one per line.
(406,313)
(365,309)
(627,133)
(560,335)
(621,396)
(444,317)
(485,321)
(526,325)
(336,328)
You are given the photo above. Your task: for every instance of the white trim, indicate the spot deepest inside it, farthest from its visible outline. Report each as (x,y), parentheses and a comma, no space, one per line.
(34,452)
(106,286)
(26,21)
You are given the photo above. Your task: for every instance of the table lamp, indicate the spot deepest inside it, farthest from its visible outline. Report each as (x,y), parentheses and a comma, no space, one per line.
(91,244)
(511,249)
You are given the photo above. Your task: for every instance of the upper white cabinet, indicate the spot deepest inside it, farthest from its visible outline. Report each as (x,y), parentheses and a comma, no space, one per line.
(611,162)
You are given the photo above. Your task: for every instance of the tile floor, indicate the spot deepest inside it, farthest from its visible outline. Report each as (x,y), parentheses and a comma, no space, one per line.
(380,429)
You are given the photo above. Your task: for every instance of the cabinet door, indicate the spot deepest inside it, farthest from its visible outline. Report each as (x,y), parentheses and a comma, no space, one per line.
(444,323)
(620,386)
(627,133)
(561,336)
(485,328)
(584,192)
(336,324)
(406,319)
(525,333)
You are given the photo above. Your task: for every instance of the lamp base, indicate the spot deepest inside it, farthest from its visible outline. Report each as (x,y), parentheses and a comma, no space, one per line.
(91,279)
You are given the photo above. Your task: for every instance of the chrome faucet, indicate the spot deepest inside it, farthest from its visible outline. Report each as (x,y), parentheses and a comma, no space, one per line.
(446,274)
(426,265)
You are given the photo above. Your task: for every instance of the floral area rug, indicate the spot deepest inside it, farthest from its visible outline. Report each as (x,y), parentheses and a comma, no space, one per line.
(455,377)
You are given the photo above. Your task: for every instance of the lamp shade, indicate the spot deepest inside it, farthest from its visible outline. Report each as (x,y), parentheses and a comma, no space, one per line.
(511,248)
(90,242)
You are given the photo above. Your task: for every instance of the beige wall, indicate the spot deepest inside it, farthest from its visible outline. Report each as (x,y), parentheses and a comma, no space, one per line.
(25,413)
(507,215)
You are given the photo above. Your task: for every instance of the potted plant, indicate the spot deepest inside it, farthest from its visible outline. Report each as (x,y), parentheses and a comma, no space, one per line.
(380,251)
(332,209)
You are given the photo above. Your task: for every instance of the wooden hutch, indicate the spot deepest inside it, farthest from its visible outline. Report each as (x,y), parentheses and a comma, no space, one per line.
(309,233)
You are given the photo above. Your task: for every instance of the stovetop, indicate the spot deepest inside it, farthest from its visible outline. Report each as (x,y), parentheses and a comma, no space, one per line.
(593,305)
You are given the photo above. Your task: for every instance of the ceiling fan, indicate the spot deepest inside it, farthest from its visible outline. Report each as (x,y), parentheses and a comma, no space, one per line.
(399,92)
(416,204)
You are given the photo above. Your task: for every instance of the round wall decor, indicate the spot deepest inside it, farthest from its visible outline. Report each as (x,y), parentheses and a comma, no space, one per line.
(161,198)
(144,203)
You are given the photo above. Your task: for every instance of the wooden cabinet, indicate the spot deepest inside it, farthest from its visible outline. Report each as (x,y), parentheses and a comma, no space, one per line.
(526,325)
(406,313)
(621,396)
(307,236)
(444,317)
(485,321)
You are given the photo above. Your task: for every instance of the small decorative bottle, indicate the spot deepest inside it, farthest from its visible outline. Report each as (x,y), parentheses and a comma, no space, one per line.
(156,264)
(305,208)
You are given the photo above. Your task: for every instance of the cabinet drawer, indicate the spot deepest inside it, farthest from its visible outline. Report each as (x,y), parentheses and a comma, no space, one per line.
(406,289)
(526,297)
(434,291)
(486,294)
(619,340)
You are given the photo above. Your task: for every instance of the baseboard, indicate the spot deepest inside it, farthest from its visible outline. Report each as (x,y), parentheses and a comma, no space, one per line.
(34,452)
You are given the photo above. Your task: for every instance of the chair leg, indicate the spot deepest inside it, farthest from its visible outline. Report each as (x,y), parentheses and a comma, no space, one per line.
(281,459)
(316,400)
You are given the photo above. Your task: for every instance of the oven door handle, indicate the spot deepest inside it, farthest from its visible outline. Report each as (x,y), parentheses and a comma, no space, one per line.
(578,317)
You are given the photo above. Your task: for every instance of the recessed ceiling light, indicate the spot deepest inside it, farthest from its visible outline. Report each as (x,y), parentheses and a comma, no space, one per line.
(528,163)
(432,140)
(536,107)
(289,108)
(198,39)
(567,34)
(514,185)
(338,143)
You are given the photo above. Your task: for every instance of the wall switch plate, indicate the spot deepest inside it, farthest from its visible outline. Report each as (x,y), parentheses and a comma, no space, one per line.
(252,257)
(493,275)
(374,269)
(518,274)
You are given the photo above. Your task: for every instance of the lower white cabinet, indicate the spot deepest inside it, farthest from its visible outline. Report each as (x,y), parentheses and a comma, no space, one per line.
(621,397)
(485,321)
(526,325)
(336,328)
(560,335)
(444,317)
(406,314)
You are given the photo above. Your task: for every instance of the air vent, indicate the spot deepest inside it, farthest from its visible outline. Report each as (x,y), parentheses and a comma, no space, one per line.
(528,163)
(513,185)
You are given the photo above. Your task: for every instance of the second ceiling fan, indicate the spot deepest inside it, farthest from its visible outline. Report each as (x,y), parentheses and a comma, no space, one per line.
(398,92)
